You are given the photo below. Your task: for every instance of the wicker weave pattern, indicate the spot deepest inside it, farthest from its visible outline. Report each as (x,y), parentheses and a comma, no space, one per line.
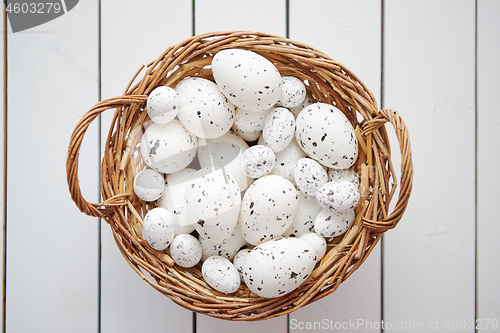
(329,82)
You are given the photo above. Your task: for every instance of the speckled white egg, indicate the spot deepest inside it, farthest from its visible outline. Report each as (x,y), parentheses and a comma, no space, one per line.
(162,104)
(293,92)
(304,220)
(203,109)
(149,184)
(257,161)
(247,136)
(227,248)
(248,121)
(213,204)
(279,129)
(220,274)
(339,196)
(332,224)
(279,266)
(343,174)
(224,152)
(247,79)
(317,241)
(158,228)
(185,250)
(174,200)
(309,175)
(327,136)
(296,110)
(268,208)
(168,148)
(239,260)
(284,164)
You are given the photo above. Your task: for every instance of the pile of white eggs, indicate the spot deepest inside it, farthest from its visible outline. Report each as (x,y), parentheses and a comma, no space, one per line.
(250,177)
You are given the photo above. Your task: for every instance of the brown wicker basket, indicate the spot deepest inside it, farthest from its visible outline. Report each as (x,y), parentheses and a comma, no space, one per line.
(329,82)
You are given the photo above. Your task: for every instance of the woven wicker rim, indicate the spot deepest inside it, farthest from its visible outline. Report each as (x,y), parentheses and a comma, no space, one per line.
(329,82)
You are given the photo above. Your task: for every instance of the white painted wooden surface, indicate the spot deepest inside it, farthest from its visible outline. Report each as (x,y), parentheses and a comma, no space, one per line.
(488,123)
(438,267)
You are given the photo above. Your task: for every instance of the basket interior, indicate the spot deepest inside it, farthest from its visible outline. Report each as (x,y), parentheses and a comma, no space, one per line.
(326,81)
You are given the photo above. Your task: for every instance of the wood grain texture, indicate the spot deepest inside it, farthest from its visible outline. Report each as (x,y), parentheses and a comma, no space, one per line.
(127,302)
(3,161)
(52,248)
(488,123)
(334,28)
(225,15)
(429,60)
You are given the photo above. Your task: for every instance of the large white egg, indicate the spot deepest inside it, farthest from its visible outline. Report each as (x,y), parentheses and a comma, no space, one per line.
(174,200)
(268,208)
(213,204)
(203,109)
(168,148)
(304,220)
(247,79)
(327,136)
(224,152)
(279,266)
(284,164)
(227,248)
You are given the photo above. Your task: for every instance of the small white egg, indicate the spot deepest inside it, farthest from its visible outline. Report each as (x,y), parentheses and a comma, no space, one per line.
(339,196)
(304,219)
(203,109)
(149,185)
(249,80)
(343,174)
(220,274)
(331,224)
(239,261)
(162,104)
(185,250)
(257,161)
(168,148)
(317,241)
(213,204)
(227,248)
(293,92)
(158,228)
(174,200)
(309,175)
(279,129)
(326,135)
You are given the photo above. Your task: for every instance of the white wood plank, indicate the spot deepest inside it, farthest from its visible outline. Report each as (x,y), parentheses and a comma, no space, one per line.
(488,122)
(132,36)
(226,15)
(349,32)
(429,75)
(52,247)
(2,156)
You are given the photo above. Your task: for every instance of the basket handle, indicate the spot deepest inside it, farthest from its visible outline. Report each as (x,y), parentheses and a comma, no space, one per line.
(406,181)
(93,209)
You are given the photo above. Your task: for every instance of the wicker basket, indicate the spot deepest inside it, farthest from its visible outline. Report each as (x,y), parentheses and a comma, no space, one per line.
(329,82)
